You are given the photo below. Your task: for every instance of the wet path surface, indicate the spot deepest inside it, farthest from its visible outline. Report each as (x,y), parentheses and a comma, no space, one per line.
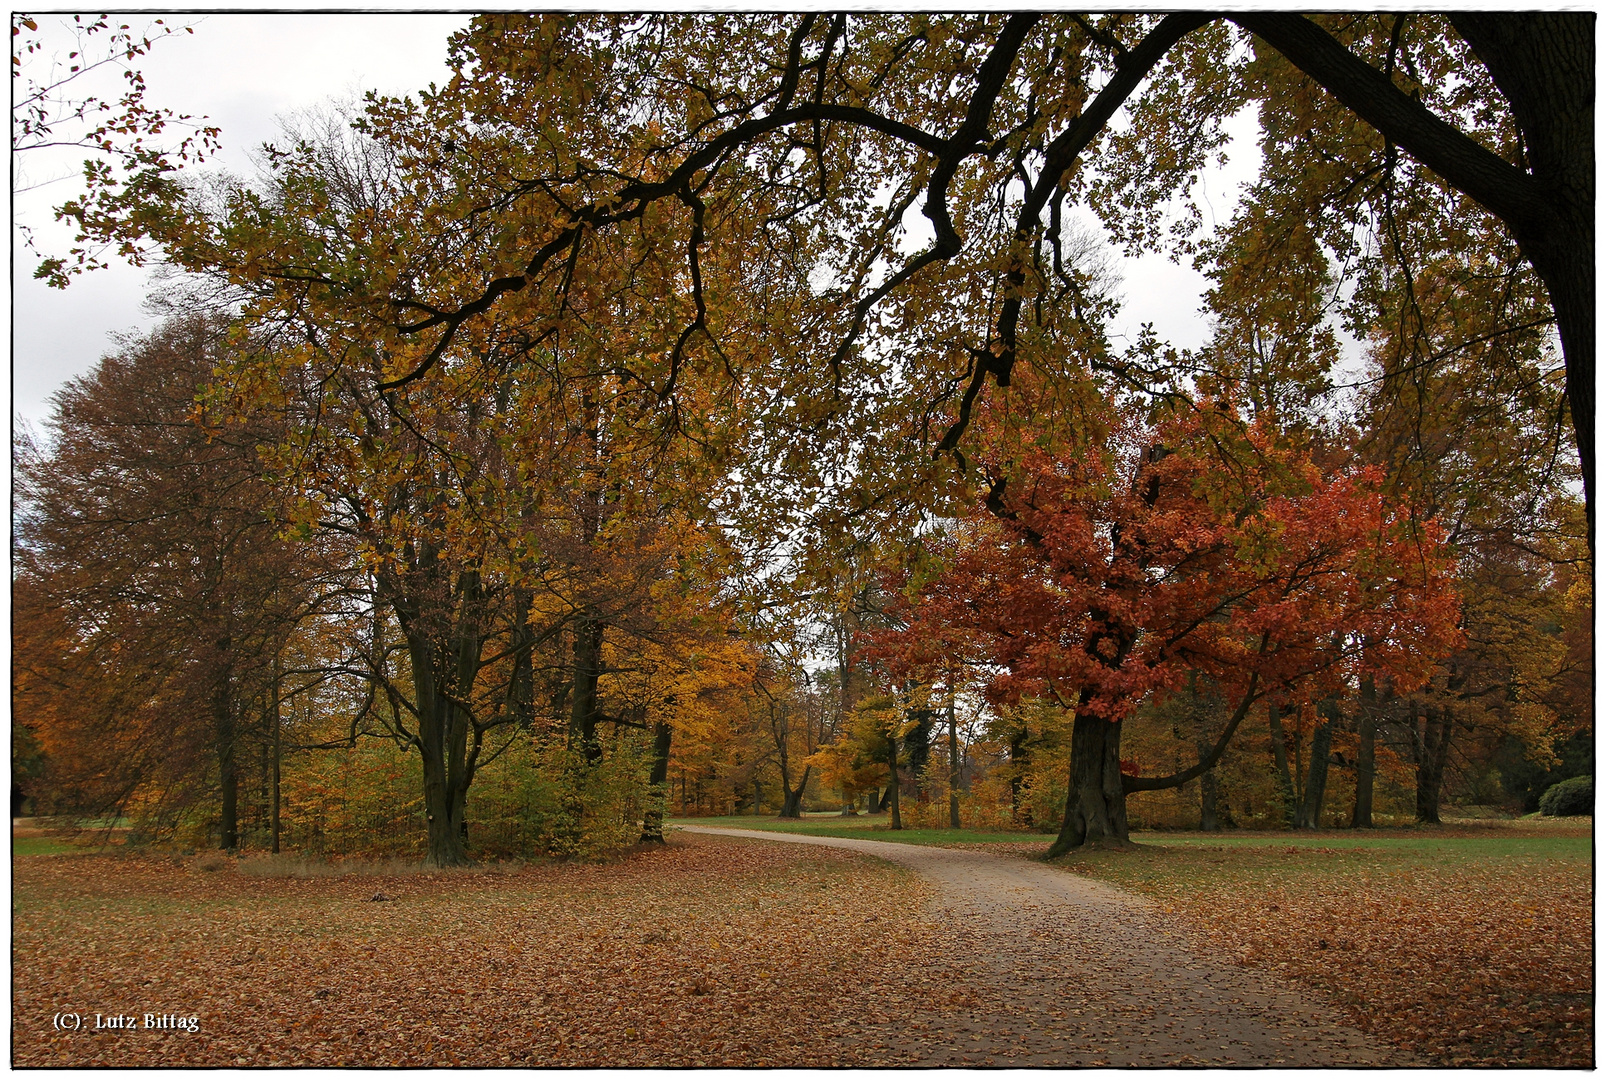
(1061,970)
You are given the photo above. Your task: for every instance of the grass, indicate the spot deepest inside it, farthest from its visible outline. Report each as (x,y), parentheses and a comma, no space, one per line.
(43,845)
(864,827)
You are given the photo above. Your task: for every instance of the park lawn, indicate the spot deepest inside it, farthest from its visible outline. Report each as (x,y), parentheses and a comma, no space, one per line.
(708,952)
(1471,945)
(863,827)
(43,845)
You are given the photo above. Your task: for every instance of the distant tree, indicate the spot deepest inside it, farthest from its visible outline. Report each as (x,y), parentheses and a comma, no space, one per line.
(1095,589)
(155,585)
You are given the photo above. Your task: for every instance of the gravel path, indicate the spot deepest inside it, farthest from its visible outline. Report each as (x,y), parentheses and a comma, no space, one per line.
(1061,970)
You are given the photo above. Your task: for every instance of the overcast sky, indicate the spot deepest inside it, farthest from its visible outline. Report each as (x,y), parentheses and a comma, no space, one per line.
(244,71)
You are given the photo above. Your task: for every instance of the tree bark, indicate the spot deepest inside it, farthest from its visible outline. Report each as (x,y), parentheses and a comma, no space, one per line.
(1095,805)
(1208,819)
(953,768)
(1279,755)
(1544,65)
(652,825)
(583,702)
(892,790)
(437,740)
(1433,753)
(1365,756)
(223,722)
(276,718)
(1019,758)
(792,800)
(1321,745)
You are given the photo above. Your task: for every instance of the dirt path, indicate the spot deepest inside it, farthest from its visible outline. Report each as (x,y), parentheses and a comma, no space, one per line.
(1060,970)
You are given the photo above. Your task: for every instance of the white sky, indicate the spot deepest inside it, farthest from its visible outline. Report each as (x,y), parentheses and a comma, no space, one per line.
(243,71)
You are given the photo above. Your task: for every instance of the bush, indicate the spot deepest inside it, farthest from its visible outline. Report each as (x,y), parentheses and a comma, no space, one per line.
(544,799)
(1569,798)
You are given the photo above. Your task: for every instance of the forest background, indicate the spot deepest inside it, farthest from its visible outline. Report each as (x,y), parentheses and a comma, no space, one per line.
(622,428)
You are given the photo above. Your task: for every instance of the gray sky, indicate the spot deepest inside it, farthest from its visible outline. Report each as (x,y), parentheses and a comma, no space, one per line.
(244,71)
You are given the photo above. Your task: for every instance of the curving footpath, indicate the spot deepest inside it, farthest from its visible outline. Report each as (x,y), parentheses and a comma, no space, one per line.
(1067,971)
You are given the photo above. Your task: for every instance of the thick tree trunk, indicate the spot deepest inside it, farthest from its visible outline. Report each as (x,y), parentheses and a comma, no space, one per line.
(1365,756)
(1321,745)
(1095,806)
(436,718)
(652,825)
(1209,820)
(1544,65)
(1279,755)
(792,803)
(1434,750)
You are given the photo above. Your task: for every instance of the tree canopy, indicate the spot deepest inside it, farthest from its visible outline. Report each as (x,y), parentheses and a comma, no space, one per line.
(654,356)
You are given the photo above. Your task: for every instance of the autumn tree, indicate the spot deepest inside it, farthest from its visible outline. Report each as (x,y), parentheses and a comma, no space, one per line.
(521,510)
(817,135)
(1098,579)
(155,585)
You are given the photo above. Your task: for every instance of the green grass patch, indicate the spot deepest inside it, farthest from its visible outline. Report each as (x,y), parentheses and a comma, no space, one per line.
(863,827)
(1167,864)
(43,845)
(1493,844)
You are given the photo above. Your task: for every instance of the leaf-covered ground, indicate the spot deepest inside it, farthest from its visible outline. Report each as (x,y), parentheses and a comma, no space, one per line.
(1470,946)
(1467,947)
(711,952)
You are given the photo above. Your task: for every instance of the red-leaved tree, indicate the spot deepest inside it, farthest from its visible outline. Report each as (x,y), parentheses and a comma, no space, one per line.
(1101,577)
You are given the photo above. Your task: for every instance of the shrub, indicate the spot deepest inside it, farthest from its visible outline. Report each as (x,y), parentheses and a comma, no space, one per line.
(544,799)
(1569,798)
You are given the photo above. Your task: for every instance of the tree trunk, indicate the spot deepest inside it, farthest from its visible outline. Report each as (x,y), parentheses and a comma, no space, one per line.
(1365,756)
(652,825)
(1208,794)
(583,702)
(1321,744)
(1434,751)
(953,768)
(278,757)
(1544,65)
(1095,806)
(1019,758)
(228,771)
(1279,755)
(436,719)
(792,803)
(892,791)
(521,685)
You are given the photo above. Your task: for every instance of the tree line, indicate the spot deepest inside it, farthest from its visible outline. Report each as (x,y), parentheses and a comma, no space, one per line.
(605,417)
